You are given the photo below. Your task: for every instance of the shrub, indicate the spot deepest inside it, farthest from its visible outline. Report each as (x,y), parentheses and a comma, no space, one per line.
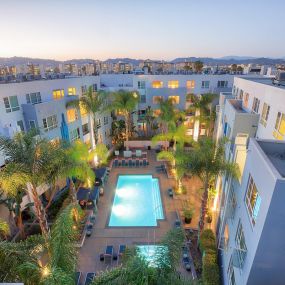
(207,241)
(210,273)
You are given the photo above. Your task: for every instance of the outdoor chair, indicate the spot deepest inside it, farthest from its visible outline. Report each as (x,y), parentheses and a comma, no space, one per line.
(141,162)
(130,163)
(116,163)
(144,163)
(170,192)
(124,163)
(89,278)
(77,278)
(108,253)
(137,163)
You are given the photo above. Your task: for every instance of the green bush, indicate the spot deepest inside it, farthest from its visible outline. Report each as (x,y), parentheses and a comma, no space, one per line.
(207,241)
(210,272)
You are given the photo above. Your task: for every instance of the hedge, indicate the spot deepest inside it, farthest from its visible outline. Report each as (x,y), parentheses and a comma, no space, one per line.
(210,272)
(207,241)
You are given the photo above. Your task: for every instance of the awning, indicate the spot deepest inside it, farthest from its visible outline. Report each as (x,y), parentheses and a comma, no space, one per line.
(87,194)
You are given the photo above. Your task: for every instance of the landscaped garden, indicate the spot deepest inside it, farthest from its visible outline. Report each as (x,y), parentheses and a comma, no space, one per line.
(39,242)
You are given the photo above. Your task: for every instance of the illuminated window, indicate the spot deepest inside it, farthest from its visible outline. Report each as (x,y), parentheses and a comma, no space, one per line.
(71,91)
(245,99)
(83,111)
(264,114)
(71,115)
(174,99)
(156,99)
(173,84)
(190,84)
(252,200)
(157,84)
(156,112)
(279,126)
(50,123)
(58,94)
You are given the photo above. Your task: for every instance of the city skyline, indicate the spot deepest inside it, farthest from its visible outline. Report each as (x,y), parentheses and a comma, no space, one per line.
(162,30)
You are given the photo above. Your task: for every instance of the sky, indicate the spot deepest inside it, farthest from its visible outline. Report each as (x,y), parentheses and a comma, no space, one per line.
(155,29)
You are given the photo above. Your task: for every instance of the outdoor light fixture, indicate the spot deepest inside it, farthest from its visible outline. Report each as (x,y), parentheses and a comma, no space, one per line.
(45,271)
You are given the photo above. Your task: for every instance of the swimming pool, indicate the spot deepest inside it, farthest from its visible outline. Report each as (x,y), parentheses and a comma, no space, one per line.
(137,202)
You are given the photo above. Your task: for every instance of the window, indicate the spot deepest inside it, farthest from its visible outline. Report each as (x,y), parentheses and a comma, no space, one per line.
(231,273)
(106,120)
(32,124)
(264,114)
(58,94)
(74,134)
(232,203)
(85,129)
(20,124)
(173,84)
(98,124)
(222,84)
(190,84)
(83,89)
(83,111)
(142,99)
(94,87)
(72,115)
(205,84)
(255,105)
(252,200)
(241,250)
(11,104)
(71,91)
(141,84)
(156,99)
(174,99)
(34,98)
(245,99)
(241,95)
(279,126)
(157,84)
(50,123)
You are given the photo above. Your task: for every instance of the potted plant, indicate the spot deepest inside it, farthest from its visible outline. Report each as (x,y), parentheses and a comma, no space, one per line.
(209,217)
(188,214)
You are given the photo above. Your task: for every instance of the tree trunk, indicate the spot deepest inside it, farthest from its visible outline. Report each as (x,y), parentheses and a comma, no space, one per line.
(40,212)
(204,205)
(127,130)
(20,225)
(74,199)
(92,131)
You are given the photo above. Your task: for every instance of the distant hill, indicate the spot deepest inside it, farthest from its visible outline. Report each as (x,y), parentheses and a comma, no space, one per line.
(226,60)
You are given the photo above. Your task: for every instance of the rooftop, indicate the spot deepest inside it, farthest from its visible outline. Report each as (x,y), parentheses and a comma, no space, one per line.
(265,81)
(237,104)
(275,151)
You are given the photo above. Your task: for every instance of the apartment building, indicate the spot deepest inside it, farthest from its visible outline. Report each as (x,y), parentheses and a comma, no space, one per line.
(42,104)
(251,217)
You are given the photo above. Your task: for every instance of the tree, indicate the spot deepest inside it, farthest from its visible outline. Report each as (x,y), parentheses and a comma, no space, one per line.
(124,103)
(92,103)
(136,270)
(234,67)
(198,66)
(30,163)
(4,229)
(36,261)
(207,161)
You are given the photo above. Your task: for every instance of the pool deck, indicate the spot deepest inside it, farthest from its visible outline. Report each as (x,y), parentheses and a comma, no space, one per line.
(103,235)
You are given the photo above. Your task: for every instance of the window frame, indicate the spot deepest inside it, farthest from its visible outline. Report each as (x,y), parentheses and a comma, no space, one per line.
(205,84)
(8,105)
(48,127)
(264,114)
(240,237)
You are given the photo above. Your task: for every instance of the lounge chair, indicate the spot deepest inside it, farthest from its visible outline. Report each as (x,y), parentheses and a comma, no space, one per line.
(144,162)
(137,163)
(141,162)
(170,192)
(130,163)
(77,278)
(89,278)
(177,224)
(109,252)
(124,163)
(116,163)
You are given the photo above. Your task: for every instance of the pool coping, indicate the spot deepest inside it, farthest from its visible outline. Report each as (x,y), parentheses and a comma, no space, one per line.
(135,227)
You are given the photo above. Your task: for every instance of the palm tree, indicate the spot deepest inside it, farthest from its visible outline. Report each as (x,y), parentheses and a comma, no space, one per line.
(36,261)
(167,114)
(207,161)
(124,103)
(30,163)
(4,229)
(92,103)
(137,270)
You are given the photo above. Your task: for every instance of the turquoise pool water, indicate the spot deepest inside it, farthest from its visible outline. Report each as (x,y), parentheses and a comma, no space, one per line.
(137,202)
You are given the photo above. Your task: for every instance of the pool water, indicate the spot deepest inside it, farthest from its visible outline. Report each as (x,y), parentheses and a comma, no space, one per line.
(137,202)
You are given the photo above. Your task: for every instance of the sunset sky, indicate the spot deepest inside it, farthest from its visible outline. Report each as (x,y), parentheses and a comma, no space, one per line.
(156,29)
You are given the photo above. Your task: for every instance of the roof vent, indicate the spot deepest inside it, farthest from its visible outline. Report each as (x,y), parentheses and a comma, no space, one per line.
(279,78)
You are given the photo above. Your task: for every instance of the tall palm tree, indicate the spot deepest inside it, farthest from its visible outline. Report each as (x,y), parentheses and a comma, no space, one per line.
(30,163)
(167,114)
(124,103)
(137,270)
(39,261)
(207,161)
(92,102)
